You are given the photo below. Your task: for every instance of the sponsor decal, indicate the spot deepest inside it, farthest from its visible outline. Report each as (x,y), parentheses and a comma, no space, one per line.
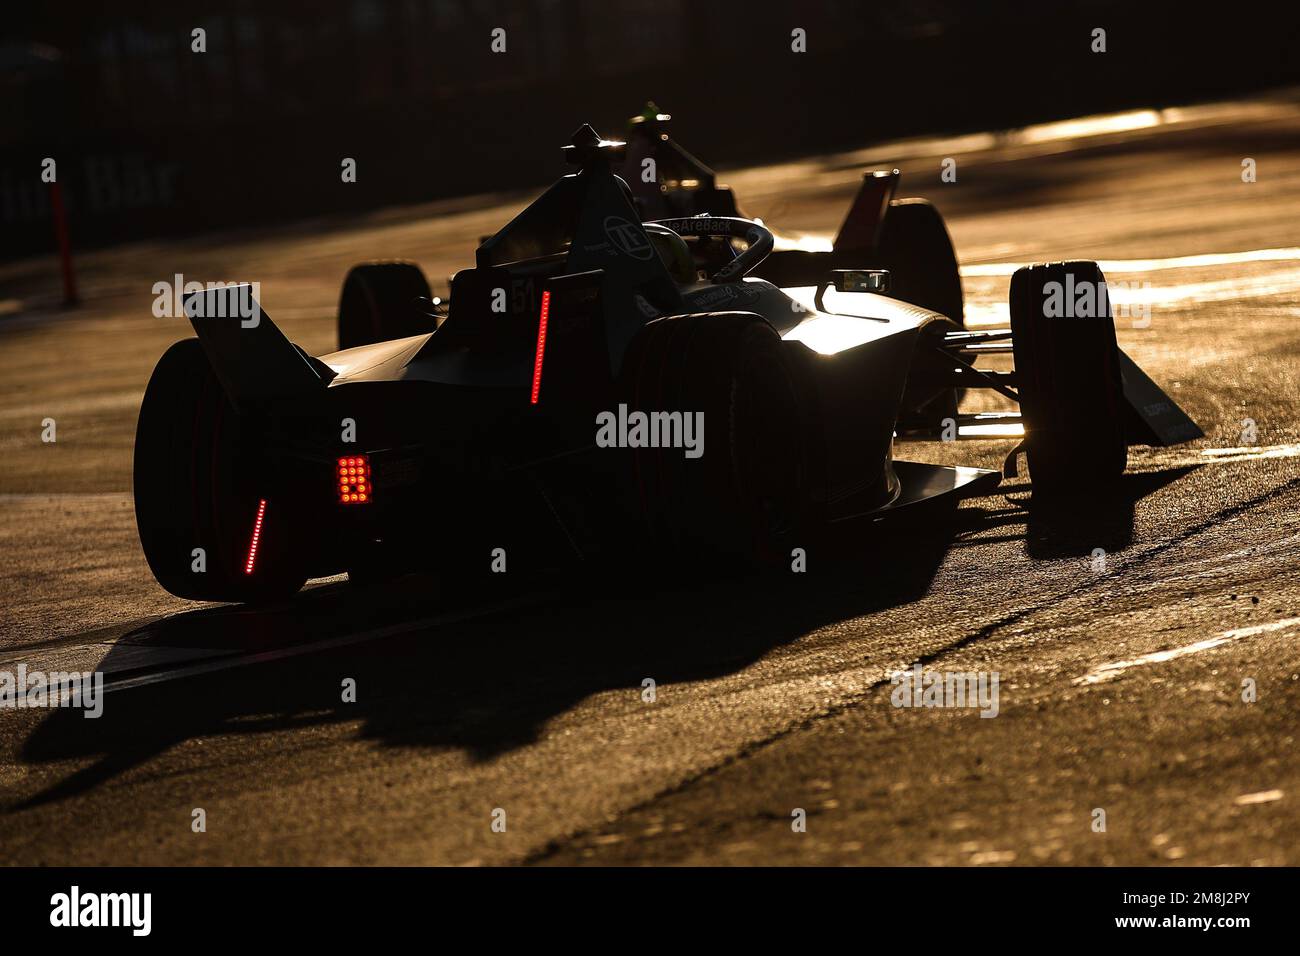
(628,238)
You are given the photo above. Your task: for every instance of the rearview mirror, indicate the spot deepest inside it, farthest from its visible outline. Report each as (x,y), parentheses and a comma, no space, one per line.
(861,280)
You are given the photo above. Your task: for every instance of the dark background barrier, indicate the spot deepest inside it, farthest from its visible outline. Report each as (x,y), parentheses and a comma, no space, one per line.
(152,138)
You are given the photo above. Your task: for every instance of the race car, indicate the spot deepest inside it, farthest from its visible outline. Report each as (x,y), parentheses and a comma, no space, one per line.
(603,388)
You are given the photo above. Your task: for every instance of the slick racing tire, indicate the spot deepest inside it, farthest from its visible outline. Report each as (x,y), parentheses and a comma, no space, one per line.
(196,507)
(752,486)
(916,249)
(1068,378)
(377,303)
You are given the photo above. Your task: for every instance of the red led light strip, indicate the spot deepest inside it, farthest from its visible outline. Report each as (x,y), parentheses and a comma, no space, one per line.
(541,344)
(257,535)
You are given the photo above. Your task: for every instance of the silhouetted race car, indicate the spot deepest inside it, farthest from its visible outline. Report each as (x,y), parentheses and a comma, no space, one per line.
(602,386)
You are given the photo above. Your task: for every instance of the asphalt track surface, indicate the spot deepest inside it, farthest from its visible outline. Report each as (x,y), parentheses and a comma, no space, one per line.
(1121,687)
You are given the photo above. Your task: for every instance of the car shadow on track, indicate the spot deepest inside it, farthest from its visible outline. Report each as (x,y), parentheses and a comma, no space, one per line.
(1075,528)
(485,683)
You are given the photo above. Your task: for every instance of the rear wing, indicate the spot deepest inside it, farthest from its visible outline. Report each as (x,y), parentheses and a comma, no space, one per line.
(860,231)
(856,243)
(252,359)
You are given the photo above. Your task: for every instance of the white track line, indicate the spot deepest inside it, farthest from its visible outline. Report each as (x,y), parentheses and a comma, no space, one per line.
(1114,669)
(1288,254)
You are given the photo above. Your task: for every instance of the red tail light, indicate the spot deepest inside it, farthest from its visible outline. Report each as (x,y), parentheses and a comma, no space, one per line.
(354,485)
(541,343)
(257,536)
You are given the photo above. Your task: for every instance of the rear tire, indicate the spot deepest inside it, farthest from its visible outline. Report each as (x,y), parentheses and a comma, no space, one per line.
(752,486)
(377,303)
(916,249)
(1068,380)
(195,466)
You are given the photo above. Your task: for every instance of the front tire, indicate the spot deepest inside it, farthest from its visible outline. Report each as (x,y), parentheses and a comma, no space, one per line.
(1068,379)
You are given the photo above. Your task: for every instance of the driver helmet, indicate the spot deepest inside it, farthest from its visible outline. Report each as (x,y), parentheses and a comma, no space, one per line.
(673,251)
